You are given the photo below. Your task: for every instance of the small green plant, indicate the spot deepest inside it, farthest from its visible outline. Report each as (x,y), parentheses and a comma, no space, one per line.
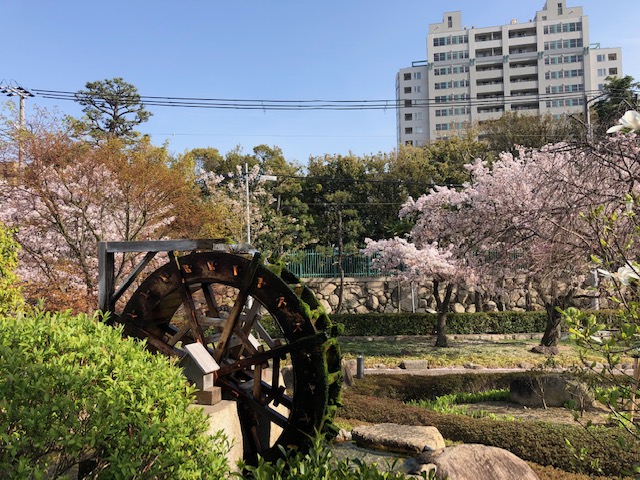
(451,403)
(319,464)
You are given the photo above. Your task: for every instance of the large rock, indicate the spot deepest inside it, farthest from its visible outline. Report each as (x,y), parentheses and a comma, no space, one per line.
(414,364)
(550,390)
(475,462)
(398,438)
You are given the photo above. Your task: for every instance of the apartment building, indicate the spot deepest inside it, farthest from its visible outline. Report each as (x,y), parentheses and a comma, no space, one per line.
(546,65)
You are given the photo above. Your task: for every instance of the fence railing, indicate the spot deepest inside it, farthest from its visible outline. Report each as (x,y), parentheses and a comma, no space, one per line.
(313,264)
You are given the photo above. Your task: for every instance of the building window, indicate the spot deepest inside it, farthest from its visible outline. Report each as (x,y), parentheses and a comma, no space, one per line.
(450,22)
(407,103)
(407,89)
(408,130)
(601,57)
(419,130)
(613,57)
(613,71)
(419,116)
(407,76)
(417,75)
(408,116)
(417,89)
(602,72)
(559,8)
(409,143)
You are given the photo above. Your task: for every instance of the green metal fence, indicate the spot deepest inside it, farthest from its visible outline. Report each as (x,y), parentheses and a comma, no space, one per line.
(308,263)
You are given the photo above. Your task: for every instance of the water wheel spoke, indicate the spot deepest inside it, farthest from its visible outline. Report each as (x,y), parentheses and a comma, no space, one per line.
(210,298)
(249,342)
(176,337)
(264,335)
(152,340)
(263,357)
(234,315)
(250,317)
(187,299)
(263,410)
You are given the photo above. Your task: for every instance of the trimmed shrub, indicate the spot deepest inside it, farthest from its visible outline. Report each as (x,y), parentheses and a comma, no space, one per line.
(389,324)
(72,390)
(392,324)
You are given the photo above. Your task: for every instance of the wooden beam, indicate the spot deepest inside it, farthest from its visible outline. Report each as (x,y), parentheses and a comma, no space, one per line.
(182,245)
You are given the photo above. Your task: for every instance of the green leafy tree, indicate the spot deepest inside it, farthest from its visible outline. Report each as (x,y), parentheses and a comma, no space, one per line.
(514,129)
(439,162)
(11,299)
(112,108)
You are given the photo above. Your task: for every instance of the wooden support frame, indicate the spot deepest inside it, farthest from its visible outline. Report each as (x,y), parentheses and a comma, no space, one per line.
(108,293)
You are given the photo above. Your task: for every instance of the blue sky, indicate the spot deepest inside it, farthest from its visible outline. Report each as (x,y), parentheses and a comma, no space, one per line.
(257,49)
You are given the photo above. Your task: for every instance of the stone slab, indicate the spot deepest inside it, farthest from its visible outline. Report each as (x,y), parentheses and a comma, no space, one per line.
(398,438)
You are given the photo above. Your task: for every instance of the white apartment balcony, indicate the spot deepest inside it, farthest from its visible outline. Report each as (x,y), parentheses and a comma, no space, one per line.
(522,71)
(518,41)
(523,55)
(487,74)
(490,88)
(484,116)
(488,44)
(523,85)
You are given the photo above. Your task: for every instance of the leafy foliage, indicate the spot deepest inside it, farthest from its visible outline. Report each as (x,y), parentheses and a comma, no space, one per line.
(317,464)
(73,390)
(514,130)
(11,299)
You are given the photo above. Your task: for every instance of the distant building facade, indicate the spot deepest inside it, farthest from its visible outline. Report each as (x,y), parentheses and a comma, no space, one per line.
(546,65)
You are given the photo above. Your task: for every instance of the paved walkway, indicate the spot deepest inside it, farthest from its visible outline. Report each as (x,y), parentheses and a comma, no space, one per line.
(439,371)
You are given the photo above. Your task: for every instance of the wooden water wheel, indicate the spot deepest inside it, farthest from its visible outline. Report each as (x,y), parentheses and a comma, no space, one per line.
(221,299)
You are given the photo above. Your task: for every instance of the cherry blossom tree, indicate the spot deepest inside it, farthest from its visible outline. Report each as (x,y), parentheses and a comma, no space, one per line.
(539,214)
(421,263)
(73,194)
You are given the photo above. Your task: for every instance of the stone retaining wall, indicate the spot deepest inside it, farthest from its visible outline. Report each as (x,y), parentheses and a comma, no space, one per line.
(386,294)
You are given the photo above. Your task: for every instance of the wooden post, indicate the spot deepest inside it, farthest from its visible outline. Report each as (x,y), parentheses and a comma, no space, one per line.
(634,387)
(106,277)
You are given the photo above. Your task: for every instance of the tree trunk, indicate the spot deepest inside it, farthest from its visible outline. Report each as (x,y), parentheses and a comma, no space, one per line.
(442,305)
(553,330)
(441,333)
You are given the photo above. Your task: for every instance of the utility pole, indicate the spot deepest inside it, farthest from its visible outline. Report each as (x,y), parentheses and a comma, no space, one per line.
(22,93)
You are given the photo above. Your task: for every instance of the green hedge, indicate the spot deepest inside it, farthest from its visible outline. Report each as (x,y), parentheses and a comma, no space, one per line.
(424,323)
(72,390)
(391,324)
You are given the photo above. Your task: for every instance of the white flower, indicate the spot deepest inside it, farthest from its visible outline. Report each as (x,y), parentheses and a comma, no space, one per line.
(624,274)
(630,121)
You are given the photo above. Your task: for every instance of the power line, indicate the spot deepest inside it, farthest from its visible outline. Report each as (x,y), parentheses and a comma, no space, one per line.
(377,104)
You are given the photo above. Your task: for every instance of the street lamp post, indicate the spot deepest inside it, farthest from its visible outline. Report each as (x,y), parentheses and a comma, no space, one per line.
(22,93)
(270,178)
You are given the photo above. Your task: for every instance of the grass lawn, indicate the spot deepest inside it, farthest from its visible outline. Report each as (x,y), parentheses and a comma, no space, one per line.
(486,353)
